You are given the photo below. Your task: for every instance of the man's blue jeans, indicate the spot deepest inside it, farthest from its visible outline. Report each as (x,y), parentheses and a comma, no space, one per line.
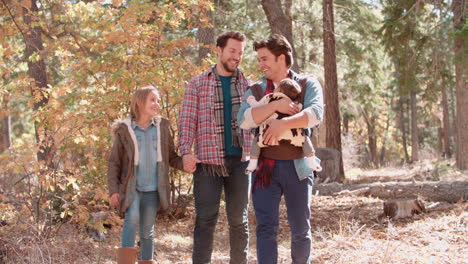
(207,191)
(141,213)
(297,195)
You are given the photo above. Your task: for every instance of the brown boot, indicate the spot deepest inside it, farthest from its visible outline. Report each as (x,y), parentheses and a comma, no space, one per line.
(146,262)
(126,255)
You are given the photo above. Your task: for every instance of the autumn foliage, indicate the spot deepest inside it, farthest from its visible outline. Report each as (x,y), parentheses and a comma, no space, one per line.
(97,53)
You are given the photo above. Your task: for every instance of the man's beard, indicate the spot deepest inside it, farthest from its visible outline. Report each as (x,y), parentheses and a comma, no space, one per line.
(227,68)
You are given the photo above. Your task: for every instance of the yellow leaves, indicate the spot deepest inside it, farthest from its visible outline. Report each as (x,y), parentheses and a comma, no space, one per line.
(100,194)
(26,3)
(117,36)
(79,139)
(60,91)
(117,3)
(81,214)
(72,182)
(3,198)
(6,51)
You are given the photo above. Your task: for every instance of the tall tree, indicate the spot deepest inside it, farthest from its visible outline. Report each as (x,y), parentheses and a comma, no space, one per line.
(281,22)
(414,128)
(332,113)
(445,123)
(32,34)
(404,41)
(460,10)
(6,125)
(402,126)
(206,31)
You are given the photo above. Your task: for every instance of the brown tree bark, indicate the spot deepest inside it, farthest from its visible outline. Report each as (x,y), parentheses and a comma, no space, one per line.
(332,112)
(445,123)
(37,71)
(280,21)
(6,127)
(206,34)
(402,127)
(460,10)
(414,129)
(384,141)
(433,191)
(372,140)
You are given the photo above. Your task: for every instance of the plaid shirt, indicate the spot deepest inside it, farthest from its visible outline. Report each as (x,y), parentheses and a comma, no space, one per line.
(197,119)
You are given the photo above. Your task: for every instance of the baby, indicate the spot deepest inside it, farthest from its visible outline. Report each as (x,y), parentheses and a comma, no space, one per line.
(286,88)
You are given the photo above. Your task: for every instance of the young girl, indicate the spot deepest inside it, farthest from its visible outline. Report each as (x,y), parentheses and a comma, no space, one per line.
(138,173)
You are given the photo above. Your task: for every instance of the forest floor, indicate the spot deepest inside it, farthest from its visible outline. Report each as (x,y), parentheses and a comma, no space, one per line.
(345,230)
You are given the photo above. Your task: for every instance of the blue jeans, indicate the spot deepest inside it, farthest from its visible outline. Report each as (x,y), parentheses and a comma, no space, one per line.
(141,213)
(297,195)
(207,191)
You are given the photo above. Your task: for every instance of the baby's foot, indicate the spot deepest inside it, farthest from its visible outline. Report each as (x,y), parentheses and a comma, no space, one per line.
(314,163)
(252,166)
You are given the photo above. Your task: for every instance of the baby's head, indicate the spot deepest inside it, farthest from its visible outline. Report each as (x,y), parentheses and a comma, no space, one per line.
(290,88)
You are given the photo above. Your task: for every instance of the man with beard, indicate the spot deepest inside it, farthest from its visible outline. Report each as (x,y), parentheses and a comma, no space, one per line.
(208,120)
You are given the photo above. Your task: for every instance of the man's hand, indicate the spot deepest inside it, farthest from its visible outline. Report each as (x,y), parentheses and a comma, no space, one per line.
(114,199)
(286,106)
(275,130)
(189,162)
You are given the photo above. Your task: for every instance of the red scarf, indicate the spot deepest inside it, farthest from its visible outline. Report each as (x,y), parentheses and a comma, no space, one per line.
(265,166)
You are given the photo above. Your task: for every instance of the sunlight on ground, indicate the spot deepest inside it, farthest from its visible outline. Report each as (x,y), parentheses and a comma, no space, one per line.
(177,240)
(433,238)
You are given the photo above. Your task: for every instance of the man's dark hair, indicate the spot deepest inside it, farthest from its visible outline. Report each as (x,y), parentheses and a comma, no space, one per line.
(290,88)
(222,39)
(277,44)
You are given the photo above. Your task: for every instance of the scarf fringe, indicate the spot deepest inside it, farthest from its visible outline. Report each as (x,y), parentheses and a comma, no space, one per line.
(214,170)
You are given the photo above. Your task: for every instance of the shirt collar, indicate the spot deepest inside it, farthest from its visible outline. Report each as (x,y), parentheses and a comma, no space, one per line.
(135,125)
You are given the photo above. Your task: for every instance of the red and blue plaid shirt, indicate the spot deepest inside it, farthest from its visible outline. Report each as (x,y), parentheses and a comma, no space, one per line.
(197,119)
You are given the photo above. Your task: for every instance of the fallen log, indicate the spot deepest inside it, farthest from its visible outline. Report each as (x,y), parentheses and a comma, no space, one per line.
(451,192)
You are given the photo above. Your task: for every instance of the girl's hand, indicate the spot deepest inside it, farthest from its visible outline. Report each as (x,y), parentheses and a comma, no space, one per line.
(114,199)
(190,163)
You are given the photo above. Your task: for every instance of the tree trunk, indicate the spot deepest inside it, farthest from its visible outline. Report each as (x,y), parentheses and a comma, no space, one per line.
(414,129)
(433,191)
(460,10)
(372,138)
(453,118)
(402,127)
(6,127)
(37,71)
(384,141)
(445,123)
(346,124)
(206,35)
(332,113)
(281,22)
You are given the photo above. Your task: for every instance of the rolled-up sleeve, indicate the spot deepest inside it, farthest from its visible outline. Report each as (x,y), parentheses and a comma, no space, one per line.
(188,119)
(244,116)
(313,102)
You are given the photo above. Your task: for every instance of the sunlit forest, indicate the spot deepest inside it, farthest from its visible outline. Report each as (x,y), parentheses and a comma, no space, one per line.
(394,75)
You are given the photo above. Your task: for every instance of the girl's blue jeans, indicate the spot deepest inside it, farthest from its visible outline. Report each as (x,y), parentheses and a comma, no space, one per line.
(141,213)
